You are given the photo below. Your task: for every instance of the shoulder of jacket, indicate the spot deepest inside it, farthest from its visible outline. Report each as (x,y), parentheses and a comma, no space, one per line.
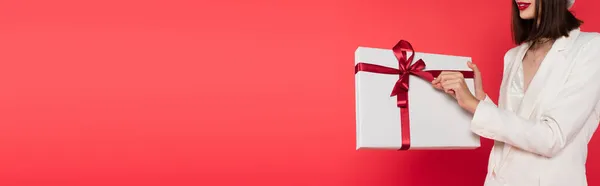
(589,39)
(512,51)
(589,34)
(589,49)
(510,55)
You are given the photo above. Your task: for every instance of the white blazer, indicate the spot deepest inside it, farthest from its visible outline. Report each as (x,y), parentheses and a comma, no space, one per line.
(544,142)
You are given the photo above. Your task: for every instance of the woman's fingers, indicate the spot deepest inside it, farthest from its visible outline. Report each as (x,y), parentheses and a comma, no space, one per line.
(476,71)
(453,87)
(445,80)
(447,75)
(473,67)
(438,86)
(479,93)
(451,84)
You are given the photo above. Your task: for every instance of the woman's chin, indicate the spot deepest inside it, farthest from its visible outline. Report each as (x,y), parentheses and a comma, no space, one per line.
(526,17)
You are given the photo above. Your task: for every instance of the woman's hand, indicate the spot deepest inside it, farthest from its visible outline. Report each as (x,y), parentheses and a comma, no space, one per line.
(453,83)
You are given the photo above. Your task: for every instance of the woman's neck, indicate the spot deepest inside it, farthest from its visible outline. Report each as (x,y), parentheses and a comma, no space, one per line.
(543,43)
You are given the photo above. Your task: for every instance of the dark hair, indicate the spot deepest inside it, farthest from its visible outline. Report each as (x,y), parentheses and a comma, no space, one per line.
(555,21)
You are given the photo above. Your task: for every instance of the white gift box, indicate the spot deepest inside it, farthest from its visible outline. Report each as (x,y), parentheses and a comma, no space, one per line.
(436,120)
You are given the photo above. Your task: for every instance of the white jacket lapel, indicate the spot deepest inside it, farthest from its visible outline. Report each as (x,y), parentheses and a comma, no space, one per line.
(511,72)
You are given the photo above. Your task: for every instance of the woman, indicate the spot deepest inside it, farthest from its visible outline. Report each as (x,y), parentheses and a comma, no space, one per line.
(549,103)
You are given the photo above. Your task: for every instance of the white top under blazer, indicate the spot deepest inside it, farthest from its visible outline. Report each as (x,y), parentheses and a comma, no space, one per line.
(541,134)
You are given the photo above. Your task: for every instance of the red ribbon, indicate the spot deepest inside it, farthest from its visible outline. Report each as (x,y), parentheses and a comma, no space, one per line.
(400,90)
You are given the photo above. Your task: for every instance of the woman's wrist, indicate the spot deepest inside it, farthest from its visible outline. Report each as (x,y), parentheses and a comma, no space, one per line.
(471,104)
(480,95)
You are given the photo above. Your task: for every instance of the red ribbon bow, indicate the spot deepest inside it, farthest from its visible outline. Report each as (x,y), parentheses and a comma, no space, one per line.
(400,90)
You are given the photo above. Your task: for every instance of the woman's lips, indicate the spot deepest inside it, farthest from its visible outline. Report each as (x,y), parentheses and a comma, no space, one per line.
(522,6)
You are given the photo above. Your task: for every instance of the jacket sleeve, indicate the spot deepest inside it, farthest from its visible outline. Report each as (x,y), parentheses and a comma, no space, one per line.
(560,121)
(488,100)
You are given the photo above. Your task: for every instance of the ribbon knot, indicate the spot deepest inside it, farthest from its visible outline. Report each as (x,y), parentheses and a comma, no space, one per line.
(406,68)
(414,69)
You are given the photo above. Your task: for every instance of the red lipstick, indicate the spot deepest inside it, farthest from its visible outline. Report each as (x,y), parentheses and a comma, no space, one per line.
(522,6)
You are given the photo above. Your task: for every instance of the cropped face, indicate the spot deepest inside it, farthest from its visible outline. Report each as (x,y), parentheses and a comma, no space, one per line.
(526,8)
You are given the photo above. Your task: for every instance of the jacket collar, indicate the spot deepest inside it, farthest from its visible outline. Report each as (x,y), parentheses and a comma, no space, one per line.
(566,42)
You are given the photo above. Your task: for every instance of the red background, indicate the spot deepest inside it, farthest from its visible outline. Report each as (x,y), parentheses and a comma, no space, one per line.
(184,92)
